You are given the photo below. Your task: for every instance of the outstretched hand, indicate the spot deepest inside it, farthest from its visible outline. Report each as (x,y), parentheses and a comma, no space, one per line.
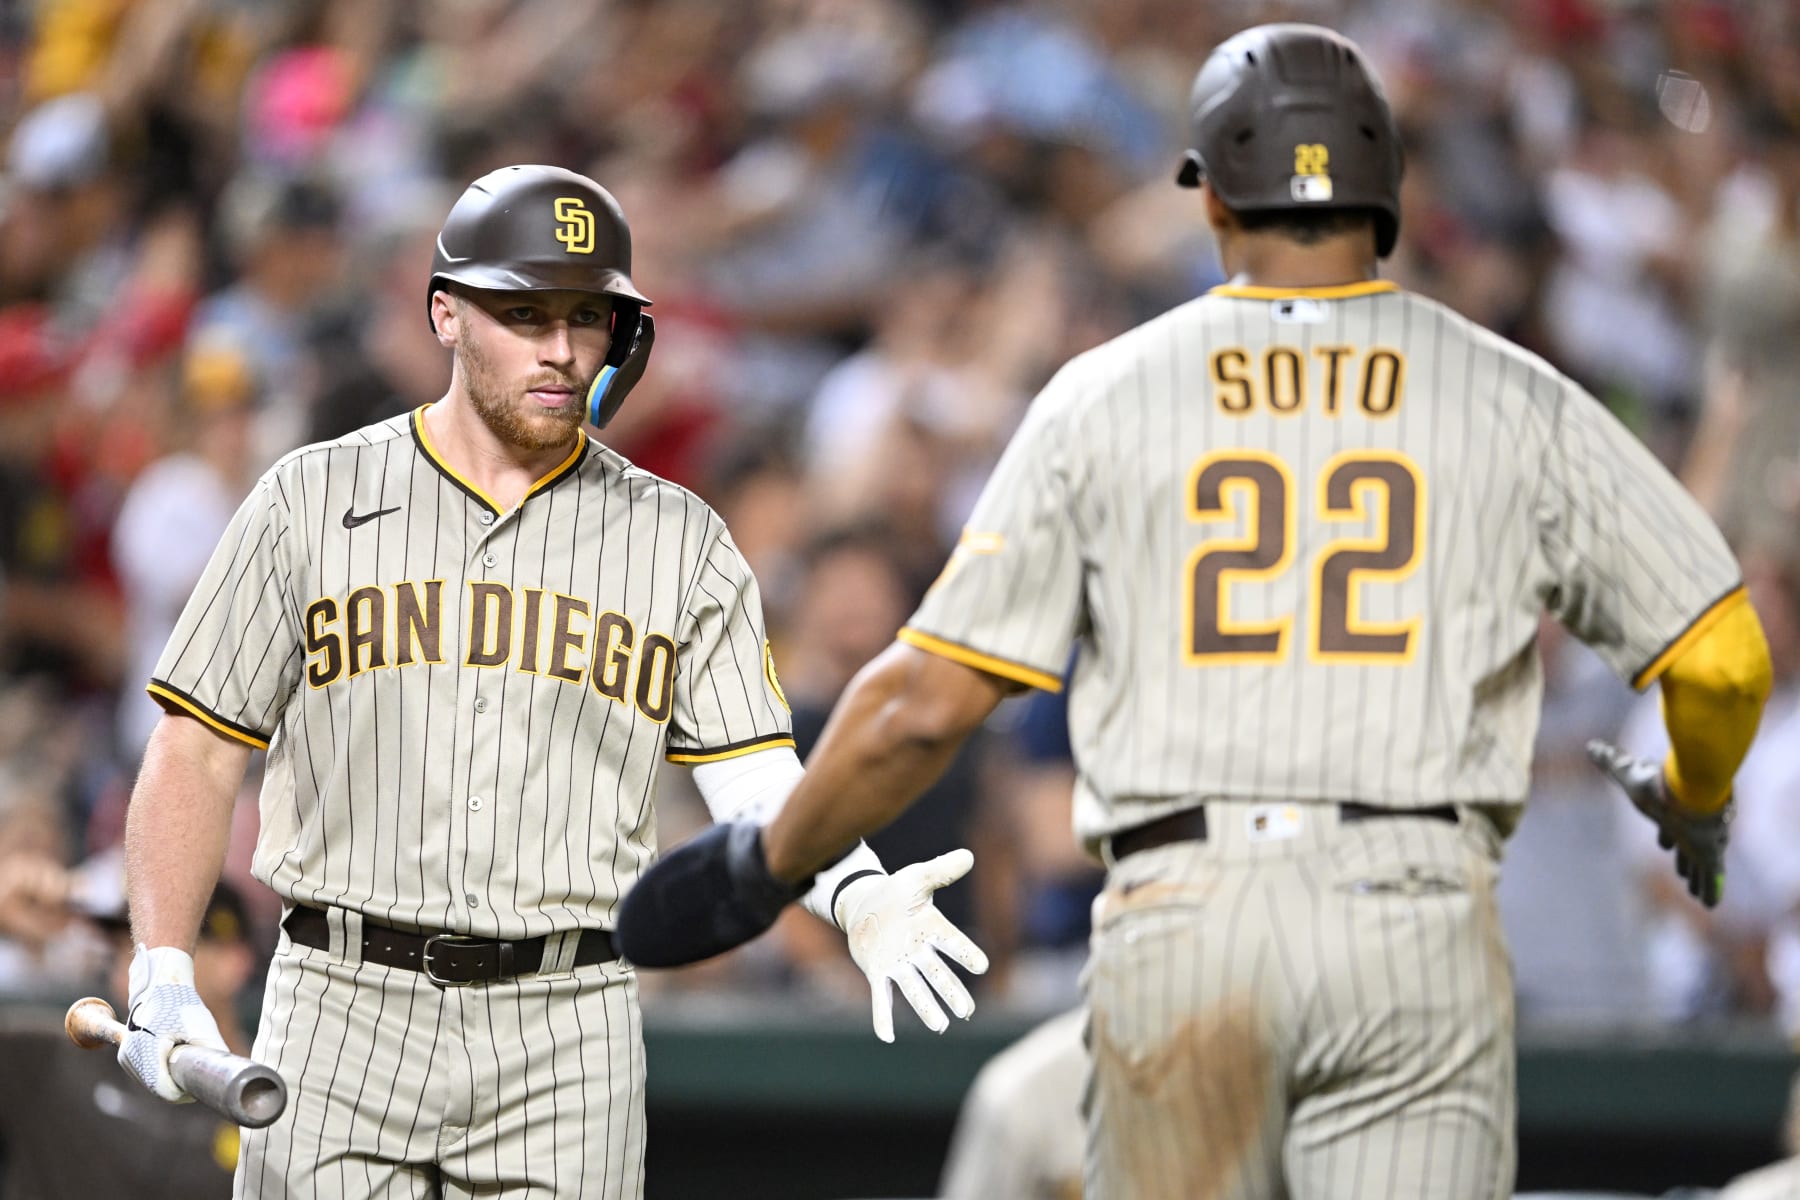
(898,937)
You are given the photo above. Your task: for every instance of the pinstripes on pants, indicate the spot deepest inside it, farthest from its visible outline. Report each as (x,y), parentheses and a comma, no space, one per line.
(531,1087)
(1322,1013)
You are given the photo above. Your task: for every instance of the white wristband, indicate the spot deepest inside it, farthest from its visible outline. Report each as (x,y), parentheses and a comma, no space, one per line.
(820,901)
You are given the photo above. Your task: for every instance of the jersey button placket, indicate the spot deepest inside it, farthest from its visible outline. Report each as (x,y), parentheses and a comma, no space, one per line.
(478,810)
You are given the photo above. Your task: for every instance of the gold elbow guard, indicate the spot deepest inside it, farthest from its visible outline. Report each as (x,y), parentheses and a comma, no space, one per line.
(1713,690)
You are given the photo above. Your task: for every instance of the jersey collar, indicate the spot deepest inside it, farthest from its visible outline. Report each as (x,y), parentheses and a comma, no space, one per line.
(1339,291)
(557,473)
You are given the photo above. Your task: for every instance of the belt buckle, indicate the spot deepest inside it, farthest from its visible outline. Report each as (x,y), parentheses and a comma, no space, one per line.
(449,939)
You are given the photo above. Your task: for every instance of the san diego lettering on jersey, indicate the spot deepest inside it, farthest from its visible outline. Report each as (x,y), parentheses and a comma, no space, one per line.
(531,630)
(464,699)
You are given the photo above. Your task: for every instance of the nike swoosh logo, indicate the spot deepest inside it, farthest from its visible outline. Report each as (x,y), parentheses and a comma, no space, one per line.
(351,520)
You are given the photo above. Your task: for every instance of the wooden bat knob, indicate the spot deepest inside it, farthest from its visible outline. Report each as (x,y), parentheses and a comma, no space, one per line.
(91,1023)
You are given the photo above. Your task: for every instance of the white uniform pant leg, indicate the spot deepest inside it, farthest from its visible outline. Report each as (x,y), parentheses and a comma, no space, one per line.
(1322,1015)
(555,1071)
(356,1045)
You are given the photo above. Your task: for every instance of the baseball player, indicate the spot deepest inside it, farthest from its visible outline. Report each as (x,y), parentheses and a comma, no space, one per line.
(467,637)
(1019,1132)
(1302,529)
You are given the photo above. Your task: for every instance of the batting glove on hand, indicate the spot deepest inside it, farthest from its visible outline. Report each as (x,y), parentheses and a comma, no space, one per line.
(1698,841)
(166,1012)
(897,935)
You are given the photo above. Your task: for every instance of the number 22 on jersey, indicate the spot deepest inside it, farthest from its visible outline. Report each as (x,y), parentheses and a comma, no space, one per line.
(1353,490)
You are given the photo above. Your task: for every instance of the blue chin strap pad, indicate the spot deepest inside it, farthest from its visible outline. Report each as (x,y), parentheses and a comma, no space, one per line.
(597,393)
(624,367)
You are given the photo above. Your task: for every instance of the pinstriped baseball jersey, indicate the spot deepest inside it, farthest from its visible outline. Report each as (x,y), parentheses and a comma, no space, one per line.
(465,708)
(1303,538)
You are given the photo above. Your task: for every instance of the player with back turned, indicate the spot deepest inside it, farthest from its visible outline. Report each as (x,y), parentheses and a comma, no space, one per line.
(468,637)
(1302,530)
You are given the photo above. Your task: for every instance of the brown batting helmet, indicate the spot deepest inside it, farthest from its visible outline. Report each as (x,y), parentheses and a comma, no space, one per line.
(537,228)
(1290,117)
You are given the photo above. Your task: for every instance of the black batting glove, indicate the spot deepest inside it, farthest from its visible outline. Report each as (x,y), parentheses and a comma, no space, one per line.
(1698,841)
(710,894)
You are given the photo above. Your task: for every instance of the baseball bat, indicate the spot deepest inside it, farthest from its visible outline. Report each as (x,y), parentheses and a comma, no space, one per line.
(235,1087)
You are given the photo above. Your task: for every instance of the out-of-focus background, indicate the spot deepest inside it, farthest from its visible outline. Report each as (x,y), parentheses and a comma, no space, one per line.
(872,228)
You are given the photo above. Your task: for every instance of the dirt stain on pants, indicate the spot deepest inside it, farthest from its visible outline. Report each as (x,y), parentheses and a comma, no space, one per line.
(1201,1093)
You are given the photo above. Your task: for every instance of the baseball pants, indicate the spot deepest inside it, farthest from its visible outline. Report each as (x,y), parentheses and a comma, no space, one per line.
(528,1087)
(1300,1007)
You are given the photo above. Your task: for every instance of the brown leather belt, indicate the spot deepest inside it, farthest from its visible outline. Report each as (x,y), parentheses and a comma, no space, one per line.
(1189,825)
(447,959)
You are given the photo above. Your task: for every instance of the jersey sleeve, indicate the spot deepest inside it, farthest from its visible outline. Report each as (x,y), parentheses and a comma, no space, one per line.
(1639,570)
(1009,600)
(234,658)
(728,698)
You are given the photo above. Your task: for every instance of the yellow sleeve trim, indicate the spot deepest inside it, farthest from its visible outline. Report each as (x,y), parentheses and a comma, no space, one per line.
(1341,291)
(737,750)
(168,697)
(1017,672)
(1704,622)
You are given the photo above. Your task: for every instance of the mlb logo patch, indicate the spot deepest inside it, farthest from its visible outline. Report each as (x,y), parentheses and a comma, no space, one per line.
(1298,310)
(1310,189)
(1274,822)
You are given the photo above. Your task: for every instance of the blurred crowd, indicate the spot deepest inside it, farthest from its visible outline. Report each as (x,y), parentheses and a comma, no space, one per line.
(871,229)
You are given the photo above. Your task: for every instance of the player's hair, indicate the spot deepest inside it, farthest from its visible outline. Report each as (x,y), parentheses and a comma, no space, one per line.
(1308,226)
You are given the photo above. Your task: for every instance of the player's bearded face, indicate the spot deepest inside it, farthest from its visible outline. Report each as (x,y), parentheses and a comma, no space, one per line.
(527,366)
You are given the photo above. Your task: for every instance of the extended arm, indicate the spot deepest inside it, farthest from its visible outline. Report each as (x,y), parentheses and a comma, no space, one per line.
(894,929)
(1713,687)
(176,828)
(175,836)
(895,730)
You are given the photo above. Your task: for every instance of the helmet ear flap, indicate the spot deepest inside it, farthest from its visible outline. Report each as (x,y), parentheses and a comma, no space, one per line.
(634,333)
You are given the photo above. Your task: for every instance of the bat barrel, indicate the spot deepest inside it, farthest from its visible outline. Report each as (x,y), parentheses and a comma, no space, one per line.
(248,1092)
(260,1096)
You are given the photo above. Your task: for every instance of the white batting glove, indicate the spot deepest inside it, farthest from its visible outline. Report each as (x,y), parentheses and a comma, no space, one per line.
(897,934)
(165,1012)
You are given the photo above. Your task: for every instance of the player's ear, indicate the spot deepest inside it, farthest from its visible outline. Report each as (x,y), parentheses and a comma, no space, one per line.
(444,318)
(1217,214)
